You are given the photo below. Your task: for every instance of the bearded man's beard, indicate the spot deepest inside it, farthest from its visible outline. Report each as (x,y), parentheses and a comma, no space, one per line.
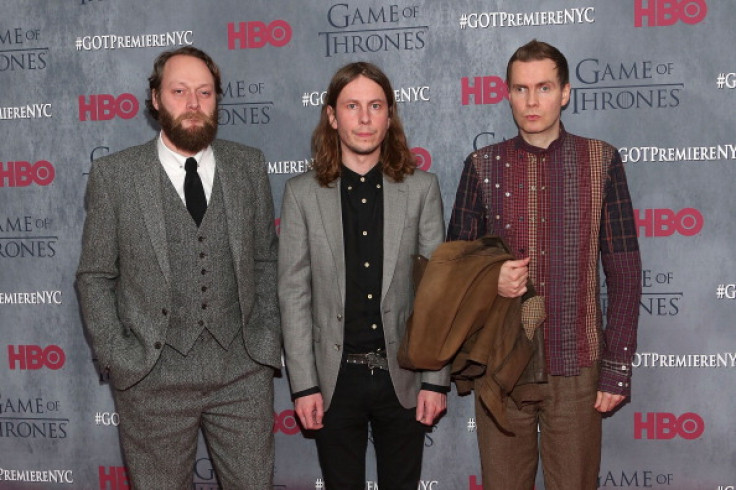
(193,139)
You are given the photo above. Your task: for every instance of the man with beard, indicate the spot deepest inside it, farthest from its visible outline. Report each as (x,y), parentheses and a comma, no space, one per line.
(177,284)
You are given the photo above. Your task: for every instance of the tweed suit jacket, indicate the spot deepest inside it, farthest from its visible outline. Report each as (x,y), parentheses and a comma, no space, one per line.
(312,277)
(124,271)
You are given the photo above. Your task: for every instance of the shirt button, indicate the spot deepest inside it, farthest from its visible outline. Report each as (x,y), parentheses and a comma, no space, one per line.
(374,326)
(507,226)
(350,187)
(365,233)
(378,186)
(364,200)
(362,179)
(485,181)
(370,296)
(498,216)
(507,194)
(620,383)
(366,264)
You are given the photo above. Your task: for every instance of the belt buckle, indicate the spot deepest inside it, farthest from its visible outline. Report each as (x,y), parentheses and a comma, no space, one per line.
(372,358)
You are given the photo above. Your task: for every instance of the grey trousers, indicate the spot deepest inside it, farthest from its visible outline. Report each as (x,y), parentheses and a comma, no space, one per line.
(223,392)
(569,437)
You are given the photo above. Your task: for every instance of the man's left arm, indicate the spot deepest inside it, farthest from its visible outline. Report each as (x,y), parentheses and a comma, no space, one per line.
(622,266)
(265,250)
(432,398)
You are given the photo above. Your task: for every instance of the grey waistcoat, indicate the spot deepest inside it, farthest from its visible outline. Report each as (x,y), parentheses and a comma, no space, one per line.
(203,283)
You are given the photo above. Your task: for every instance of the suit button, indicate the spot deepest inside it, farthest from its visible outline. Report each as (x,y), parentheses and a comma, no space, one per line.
(204,306)
(337,346)
(164,311)
(200,323)
(339,317)
(157,345)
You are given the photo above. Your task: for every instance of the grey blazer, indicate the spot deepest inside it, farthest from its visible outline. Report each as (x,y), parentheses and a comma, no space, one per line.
(312,277)
(124,271)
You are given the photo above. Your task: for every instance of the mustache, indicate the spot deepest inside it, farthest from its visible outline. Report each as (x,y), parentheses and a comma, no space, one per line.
(192,115)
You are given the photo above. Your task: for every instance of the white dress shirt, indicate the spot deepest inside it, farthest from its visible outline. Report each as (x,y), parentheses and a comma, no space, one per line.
(173,164)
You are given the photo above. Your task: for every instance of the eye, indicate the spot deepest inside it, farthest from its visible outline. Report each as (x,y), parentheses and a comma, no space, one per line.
(545,88)
(352,105)
(376,106)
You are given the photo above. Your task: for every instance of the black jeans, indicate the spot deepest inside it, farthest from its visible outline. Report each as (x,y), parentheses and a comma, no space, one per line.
(360,399)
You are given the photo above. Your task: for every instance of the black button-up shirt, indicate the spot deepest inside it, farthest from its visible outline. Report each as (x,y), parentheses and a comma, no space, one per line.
(362,223)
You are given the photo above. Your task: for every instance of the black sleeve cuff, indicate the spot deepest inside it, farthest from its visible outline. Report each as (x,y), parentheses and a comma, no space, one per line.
(437,388)
(299,394)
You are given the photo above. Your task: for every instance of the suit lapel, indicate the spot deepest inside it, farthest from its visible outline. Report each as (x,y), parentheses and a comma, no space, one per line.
(330,207)
(234,201)
(394,214)
(151,203)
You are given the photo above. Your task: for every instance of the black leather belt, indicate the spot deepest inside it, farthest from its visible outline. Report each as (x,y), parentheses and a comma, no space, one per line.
(374,360)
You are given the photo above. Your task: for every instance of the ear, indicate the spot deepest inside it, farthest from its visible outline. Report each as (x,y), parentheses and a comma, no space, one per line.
(565,94)
(154,99)
(332,117)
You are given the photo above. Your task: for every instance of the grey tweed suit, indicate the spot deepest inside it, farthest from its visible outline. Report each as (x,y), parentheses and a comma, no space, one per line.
(312,277)
(125,288)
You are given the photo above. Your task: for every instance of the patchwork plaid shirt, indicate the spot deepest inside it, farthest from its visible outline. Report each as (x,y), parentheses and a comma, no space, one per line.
(565,206)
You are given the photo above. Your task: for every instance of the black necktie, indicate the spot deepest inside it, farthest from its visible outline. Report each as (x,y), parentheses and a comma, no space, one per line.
(194,191)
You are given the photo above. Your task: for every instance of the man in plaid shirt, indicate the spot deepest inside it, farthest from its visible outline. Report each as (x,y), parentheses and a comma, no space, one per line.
(560,202)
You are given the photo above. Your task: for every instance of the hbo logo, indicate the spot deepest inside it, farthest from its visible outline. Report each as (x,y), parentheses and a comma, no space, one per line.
(256,34)
(104,107)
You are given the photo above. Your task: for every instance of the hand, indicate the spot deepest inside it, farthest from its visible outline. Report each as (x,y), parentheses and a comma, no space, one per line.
(605,402)
(430,404)
(513,277)
(310,409)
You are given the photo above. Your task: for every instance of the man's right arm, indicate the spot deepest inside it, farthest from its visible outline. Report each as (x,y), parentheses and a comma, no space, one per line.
(468,220)
(98,271)
(295,299)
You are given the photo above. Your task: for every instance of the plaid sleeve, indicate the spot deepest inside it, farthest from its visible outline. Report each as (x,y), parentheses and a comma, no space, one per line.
(622,267)
(468,220)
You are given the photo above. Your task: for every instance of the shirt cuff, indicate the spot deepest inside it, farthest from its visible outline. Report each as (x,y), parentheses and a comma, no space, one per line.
(299,394)
(436,388)
(615,378)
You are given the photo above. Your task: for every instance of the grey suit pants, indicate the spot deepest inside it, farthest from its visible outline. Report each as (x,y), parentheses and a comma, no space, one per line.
(223,392)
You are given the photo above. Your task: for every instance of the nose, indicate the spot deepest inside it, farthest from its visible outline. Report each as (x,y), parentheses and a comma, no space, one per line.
(533,98)
(192,100)
(365,115)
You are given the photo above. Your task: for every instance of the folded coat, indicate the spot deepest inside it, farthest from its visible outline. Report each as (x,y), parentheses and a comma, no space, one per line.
(459,317)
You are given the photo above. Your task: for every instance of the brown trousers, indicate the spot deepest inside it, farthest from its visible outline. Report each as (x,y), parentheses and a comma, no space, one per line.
(563,426)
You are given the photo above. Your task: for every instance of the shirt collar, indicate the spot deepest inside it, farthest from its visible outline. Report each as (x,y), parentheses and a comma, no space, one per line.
(374,175)
(172,157)
(521,144)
